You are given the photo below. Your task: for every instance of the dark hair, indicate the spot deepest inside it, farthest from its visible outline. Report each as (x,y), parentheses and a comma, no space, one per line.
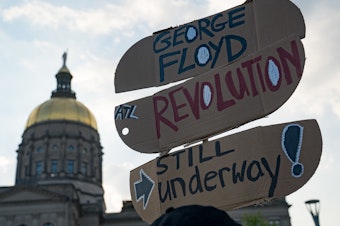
(195,215)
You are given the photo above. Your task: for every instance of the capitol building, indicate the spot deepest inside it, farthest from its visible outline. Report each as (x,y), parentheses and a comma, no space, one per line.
(59,171)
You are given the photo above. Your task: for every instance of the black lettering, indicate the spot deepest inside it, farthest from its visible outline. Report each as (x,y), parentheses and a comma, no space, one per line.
(209,176)
(179,181)
(274,176)
(167,193)
(239,175)
(195,180)
(218,150)
(190,158)
(160,165)
(177,155)
(202,158)
(220,175)
(259,173)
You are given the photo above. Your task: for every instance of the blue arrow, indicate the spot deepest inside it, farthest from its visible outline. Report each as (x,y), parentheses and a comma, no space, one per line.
(143,188)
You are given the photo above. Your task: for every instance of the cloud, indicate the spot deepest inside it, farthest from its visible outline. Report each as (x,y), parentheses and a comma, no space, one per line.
(6,170)
(43,14)
(318,91)
(217,6)
(116,180)
(124,16)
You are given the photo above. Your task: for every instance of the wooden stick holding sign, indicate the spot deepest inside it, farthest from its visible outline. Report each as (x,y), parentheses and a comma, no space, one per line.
(246,168)
(214,102)
(209,43)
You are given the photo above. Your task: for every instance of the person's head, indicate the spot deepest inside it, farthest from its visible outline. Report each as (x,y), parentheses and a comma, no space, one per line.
(195,215)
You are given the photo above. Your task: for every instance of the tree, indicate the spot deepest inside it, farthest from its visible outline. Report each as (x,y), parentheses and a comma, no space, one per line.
(255,220)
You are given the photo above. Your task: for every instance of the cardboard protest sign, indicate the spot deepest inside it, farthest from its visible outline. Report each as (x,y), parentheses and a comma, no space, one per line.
(213,102)
(209,43)
(242,169)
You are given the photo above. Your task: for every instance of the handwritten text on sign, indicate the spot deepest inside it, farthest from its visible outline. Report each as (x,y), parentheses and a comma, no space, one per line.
(251,166)
(225,91)
(229,46)
(226,175)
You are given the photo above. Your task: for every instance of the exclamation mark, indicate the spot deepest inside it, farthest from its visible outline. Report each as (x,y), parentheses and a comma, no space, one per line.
(292,136)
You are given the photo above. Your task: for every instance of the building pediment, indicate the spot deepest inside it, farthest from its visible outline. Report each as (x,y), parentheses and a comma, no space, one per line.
(28,194)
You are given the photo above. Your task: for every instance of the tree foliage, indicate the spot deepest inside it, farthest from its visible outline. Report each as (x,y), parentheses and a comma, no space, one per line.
(255,220)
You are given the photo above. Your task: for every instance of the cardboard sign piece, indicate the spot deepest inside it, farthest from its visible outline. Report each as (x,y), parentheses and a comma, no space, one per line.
(246,168)
(194,48)
(214,102)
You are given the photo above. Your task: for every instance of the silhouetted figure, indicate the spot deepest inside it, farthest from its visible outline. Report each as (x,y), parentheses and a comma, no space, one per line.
(195,215)
(64,58)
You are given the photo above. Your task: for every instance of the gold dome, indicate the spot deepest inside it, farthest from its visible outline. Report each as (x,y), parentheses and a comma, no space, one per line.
(60,108)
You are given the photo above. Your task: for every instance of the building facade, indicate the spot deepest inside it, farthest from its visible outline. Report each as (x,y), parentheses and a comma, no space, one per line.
(59,171)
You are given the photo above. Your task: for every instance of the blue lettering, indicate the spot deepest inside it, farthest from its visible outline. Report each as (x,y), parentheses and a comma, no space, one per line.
(178,32)
(236,17)
(220,26)
(233,56)
(162,64)
(183,68)
(159,40)
(203,25)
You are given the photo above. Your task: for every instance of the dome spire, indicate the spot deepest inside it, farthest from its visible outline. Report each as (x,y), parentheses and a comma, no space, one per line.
(64,59)
(64,81)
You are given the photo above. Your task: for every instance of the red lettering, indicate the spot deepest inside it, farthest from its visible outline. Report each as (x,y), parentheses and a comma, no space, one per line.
(248,64)
(259,72)
(159,114)
(294,58)
(176,107)
(242,85)
(193,102)
(221,104)
(250,79)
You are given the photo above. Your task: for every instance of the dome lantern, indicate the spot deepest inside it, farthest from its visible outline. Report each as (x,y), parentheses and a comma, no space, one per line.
(64,82)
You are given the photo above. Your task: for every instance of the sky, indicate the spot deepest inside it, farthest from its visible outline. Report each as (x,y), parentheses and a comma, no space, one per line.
(34,34)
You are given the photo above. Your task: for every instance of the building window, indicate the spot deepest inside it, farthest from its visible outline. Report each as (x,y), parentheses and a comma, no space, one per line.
(274,222)
(84,151)
(40,149)
(55,147)
(48,224)
(38,168)
(54,166)
(26,171)
(70,166)
(84,168)
(70,147)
